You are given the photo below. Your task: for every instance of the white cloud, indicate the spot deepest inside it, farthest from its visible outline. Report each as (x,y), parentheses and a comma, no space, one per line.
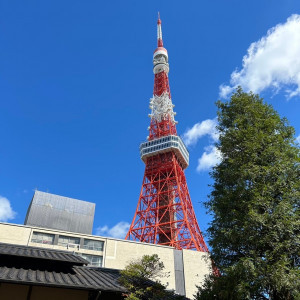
(272,62)
(209,158)
(6,211)
(118,231)
(225,90)
(298,139)
(211,155)
(206,127)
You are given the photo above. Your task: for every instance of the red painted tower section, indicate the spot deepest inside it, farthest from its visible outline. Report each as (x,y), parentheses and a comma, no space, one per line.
(164,214)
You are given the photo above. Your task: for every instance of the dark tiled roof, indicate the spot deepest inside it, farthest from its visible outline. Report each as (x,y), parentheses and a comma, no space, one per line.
(41,253)
(38,266)
(82,278)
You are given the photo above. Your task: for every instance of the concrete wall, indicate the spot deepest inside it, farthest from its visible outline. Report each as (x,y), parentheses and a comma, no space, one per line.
(21,235)
(11,234)
(119,253)
(189,265)
(196,266)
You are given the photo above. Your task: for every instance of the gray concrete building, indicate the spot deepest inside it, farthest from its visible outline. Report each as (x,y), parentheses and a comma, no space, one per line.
(57,212)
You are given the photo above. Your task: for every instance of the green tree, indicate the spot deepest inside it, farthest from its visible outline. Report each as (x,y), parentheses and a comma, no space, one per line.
(141,279)
(255,231)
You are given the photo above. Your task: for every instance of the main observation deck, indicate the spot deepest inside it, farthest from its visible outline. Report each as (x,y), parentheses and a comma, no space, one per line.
(166,144)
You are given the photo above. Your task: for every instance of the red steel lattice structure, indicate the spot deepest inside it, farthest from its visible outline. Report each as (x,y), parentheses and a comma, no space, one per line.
(164,214)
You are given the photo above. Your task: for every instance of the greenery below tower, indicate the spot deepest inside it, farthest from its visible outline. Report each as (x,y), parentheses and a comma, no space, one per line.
(255,231)
(141,279)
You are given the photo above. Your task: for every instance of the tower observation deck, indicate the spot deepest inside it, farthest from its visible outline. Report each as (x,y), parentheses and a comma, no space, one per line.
(164,214)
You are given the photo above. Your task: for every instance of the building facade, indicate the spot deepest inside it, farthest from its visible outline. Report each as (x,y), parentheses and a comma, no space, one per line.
(186,268)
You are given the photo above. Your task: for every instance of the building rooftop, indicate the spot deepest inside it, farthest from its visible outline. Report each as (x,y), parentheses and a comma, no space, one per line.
(63,213)
(30,265)
(42,253)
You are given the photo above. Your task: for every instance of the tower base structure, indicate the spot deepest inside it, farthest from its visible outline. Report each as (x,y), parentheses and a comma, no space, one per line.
(165,213)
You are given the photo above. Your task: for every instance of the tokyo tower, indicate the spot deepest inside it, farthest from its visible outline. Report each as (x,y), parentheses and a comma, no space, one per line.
(164,214)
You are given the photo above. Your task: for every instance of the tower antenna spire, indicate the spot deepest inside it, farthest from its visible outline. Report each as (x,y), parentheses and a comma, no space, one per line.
(159,32)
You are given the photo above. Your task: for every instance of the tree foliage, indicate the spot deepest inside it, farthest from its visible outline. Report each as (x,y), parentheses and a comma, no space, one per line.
(255,231)
(141,279)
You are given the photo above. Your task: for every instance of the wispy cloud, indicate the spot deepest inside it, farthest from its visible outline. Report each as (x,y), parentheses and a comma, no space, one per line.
(118,231)
(298,139)
(206,127)
(272,62)
(6,211)
(209,158)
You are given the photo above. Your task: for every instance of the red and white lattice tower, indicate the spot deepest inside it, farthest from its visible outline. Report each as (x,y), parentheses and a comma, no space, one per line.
(164,214)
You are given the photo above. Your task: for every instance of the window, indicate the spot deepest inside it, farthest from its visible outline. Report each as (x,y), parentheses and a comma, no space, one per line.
(68,241)
(93,245)
(94,260)
(42,238)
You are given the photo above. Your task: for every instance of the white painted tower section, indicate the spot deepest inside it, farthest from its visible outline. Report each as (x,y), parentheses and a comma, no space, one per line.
(161,106)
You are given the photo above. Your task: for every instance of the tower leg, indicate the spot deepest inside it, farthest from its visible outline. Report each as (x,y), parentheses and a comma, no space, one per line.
(164,213)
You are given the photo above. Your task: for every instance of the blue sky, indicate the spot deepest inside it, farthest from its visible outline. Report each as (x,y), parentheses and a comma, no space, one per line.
(75,83)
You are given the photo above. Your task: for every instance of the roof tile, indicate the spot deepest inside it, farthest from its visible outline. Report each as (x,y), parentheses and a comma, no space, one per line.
(41,253)
(78,276)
